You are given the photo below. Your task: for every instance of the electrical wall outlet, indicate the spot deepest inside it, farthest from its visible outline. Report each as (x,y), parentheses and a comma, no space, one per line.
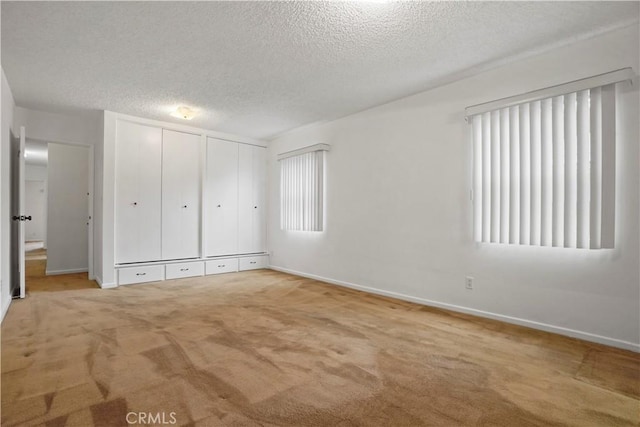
(468,282)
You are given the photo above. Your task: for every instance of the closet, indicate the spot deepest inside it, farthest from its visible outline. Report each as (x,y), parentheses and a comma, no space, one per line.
(186,204)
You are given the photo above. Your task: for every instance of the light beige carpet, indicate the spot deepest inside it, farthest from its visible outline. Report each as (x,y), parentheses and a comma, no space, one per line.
(266,348)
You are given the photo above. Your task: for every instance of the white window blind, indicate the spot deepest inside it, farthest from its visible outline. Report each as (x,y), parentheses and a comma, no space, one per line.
(544,169)
(302,189)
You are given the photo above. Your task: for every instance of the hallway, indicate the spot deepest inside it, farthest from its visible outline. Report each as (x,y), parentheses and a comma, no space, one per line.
(38,281)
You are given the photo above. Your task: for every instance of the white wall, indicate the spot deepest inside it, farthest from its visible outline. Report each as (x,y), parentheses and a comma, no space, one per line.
(53,127)
(35,206)
(35,173)
(399,218)
(36,202)
(67,208)
(7,110)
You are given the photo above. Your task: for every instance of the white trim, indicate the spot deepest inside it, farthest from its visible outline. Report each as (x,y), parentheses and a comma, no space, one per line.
(105,285)
(108,195)
(22,207)
(613,342)
(69,271)
(203,191)
(548,92)
(91,213)
(181,260)
(304,150)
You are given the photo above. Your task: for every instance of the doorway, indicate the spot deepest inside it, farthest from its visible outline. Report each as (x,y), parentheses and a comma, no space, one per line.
(58,197)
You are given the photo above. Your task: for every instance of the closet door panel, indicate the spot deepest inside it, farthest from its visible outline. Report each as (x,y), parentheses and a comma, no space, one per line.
(259,187)
(180,195)
(138,192)
(251,194)
(245,199)
(222,198)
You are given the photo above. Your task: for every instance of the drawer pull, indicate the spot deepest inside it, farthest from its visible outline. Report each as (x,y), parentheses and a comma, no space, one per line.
(184,269)
(252,262)
(141,274)
(221,265)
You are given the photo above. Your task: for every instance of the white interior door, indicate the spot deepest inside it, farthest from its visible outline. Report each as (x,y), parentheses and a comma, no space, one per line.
(221,198)
(18,215)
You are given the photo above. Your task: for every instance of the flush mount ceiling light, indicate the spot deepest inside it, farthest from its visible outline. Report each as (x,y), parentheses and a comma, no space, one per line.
(184,113)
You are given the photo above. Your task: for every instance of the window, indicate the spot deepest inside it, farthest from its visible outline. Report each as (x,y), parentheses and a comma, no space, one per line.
(302,188)
(544,166)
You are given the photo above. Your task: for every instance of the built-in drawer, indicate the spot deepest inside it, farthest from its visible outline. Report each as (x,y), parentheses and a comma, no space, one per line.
(147,273)
(185,269)
(222,265)
(254,262)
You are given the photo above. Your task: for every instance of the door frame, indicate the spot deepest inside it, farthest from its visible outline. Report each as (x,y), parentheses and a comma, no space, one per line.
(17,213)
(90,207)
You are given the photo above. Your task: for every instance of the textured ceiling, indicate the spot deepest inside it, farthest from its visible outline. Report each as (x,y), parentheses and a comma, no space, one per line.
(261,68)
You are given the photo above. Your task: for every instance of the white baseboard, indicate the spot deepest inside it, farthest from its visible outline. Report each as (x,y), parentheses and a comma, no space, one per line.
(57,272)
(105,285)
(613,342)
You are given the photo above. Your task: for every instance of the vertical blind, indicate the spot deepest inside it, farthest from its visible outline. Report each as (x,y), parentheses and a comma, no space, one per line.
(301,191)
(544,171)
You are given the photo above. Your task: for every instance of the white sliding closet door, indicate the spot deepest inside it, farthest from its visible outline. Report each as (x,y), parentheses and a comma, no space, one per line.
(180,195)
(251,199)
(138,192)
(221,195)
